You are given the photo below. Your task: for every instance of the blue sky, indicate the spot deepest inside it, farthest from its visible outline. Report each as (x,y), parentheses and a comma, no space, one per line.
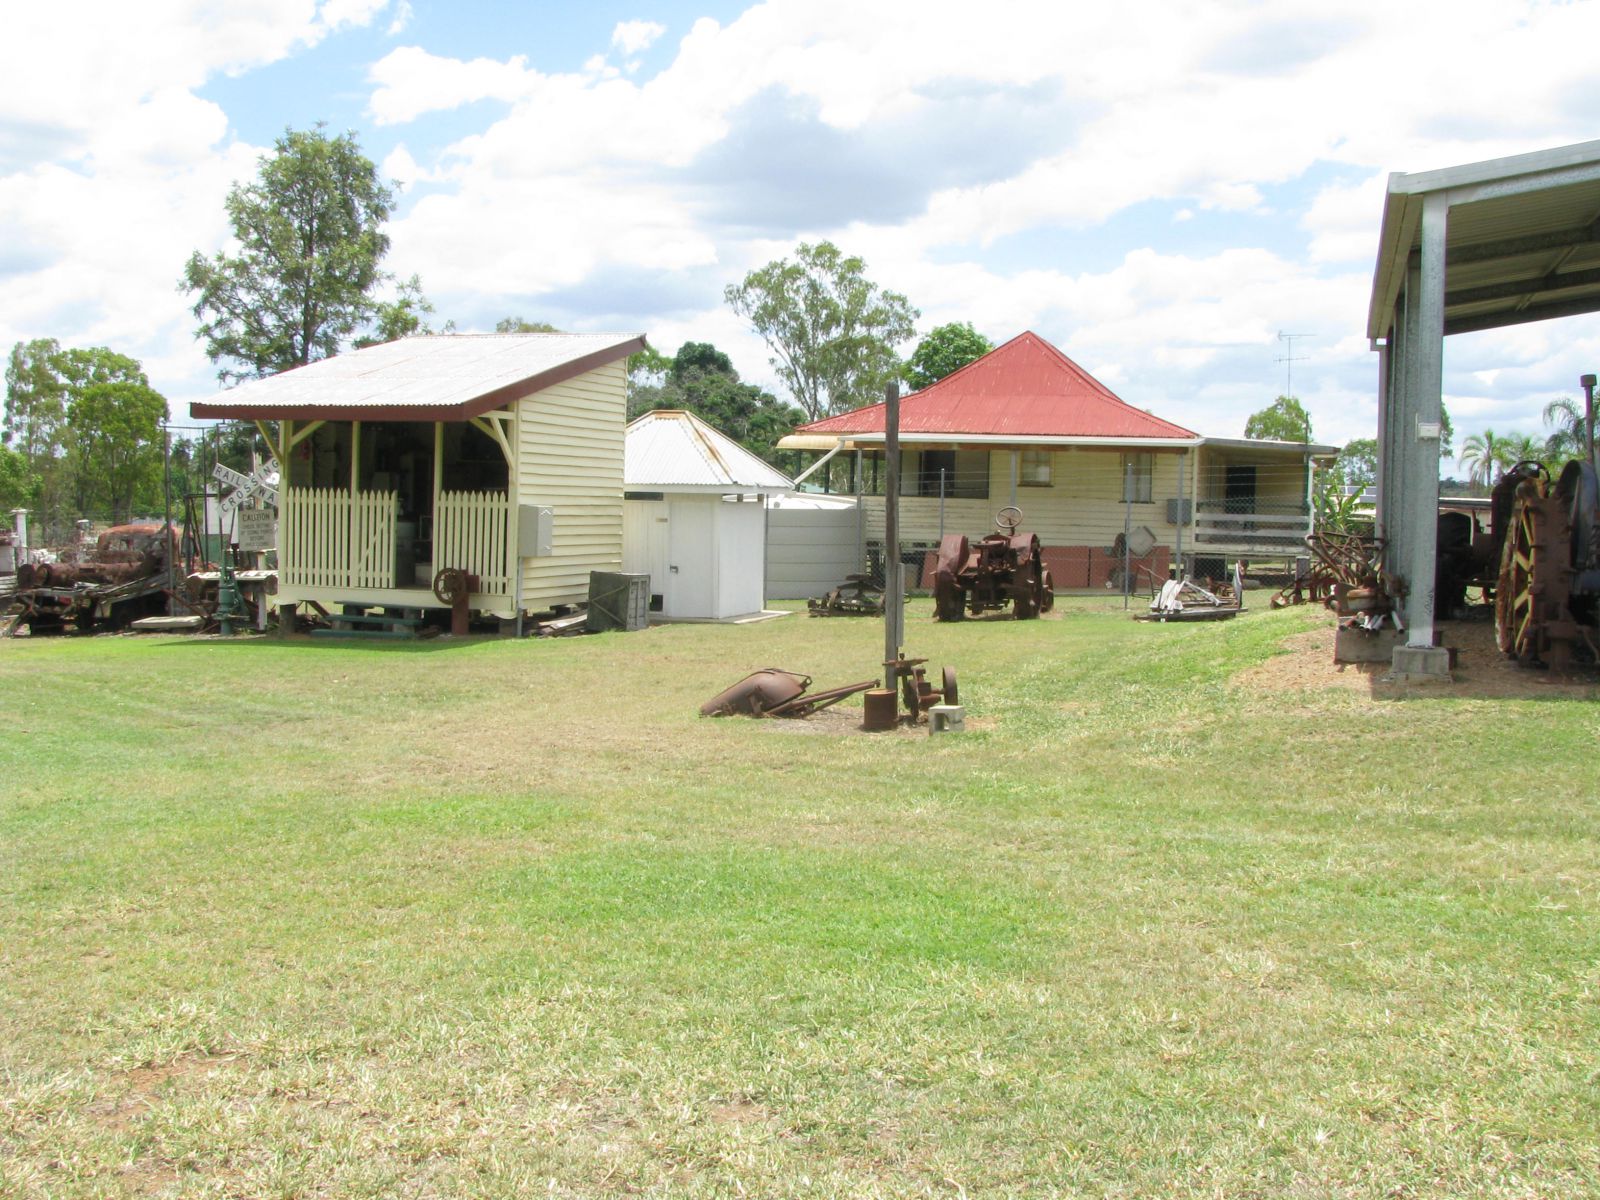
(1159,190)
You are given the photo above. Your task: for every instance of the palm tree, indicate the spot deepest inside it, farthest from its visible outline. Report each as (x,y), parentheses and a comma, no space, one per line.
(1484,455)
(1567,439)
(1524,447)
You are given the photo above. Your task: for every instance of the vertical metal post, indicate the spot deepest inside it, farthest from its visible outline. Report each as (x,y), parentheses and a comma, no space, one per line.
(1419,428)
(1183,468)
(1587,382)
(1127,524)
(166,497)
(1016,456)
(893,585)
(941,504)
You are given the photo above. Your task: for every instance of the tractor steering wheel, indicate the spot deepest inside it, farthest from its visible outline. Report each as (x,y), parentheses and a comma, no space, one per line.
(1008,519)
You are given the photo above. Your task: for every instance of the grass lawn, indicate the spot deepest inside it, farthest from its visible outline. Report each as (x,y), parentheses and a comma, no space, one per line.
(494,918)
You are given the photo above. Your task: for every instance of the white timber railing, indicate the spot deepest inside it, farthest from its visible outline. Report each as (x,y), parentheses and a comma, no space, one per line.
(470,532)
(331,539)
(1278,527)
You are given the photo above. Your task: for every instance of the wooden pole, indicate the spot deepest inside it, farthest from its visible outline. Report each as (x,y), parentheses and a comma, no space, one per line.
(893,585)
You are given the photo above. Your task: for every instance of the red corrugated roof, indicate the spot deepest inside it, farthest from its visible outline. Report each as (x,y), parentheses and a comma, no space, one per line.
(1025,388)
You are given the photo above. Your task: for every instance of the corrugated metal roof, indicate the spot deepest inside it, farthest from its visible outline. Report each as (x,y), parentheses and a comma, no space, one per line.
(1522,239)
(442,377)
(1025,388)
(669,450)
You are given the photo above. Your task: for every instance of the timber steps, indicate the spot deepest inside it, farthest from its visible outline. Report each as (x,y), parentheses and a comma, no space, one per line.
(357,623)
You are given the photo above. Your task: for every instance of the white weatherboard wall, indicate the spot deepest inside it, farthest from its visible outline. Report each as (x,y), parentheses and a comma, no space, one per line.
(703,554)
(813,543)
(569,457)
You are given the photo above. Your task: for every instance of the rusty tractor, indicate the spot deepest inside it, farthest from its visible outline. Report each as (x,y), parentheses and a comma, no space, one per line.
(1000,569)
(1547,599)
(123,578)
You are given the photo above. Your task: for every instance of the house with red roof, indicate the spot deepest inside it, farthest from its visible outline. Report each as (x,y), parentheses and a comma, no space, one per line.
(1025,426)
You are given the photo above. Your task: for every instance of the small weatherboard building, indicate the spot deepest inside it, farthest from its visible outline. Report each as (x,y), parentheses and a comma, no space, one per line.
(499,455)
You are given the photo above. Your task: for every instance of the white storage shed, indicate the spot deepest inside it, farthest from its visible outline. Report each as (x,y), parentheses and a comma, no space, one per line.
(694,518)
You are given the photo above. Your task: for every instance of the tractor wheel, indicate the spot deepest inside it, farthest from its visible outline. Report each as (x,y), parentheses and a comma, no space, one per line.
(1517,619)
(1025,593)
(1047,591)
(948,598)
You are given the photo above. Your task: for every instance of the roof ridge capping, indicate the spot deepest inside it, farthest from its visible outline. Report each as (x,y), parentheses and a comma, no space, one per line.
(1532,162)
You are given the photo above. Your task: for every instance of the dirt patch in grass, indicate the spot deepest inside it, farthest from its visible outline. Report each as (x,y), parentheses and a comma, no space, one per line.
(1481,671)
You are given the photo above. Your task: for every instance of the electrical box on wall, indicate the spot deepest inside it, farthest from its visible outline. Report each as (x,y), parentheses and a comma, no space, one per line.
(535,530)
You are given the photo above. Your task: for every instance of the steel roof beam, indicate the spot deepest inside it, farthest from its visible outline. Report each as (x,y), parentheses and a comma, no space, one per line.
(1539,312)
(1553,282)
(1514,247)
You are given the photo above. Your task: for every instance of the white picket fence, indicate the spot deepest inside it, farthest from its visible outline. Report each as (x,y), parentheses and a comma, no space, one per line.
(331,539)
(470,531)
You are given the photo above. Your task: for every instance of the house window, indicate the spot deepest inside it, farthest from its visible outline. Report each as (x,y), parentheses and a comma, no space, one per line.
(1035,468)
(1138,474)
(963,474)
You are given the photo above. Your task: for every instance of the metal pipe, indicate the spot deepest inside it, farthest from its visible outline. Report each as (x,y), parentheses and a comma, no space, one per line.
(1587,382)
(166,495)
(1183,467)
(1127,525)
(809,471)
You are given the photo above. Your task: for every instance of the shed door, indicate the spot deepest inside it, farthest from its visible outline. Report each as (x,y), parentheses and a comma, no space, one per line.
(691,584)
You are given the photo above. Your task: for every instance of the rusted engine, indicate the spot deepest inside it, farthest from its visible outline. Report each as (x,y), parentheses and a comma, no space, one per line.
(122,578)
(1003,568)
(1547,599)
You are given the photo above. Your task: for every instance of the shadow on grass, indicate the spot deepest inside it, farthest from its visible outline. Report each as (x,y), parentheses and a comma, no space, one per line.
(302,642)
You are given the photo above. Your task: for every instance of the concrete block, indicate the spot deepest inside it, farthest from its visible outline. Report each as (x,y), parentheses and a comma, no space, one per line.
(1419,664)
(946,718)
(1352,644)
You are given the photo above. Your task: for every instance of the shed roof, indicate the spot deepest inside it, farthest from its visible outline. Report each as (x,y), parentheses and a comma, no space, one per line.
(442,377)
(675,451)
(1522,241)
(1025,391)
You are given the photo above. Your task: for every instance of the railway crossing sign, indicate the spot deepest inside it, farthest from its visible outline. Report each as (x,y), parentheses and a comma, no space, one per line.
(245,488)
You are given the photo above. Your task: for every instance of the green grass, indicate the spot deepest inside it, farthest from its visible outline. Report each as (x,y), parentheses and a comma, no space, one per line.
(490,918)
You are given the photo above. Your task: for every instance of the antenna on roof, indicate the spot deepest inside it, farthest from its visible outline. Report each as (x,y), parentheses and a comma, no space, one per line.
(1288,359)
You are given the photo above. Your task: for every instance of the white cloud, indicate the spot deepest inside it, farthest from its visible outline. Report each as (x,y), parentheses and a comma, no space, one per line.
(403,15)
(635,37)
(412,82)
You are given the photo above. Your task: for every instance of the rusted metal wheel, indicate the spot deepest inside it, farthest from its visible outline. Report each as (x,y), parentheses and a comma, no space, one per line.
(948,597)
(951,693)
(449,584)
(1047,591)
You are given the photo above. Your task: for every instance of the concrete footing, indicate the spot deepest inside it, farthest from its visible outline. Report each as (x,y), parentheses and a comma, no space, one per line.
(946,718)
(1352,644)
(1419,664)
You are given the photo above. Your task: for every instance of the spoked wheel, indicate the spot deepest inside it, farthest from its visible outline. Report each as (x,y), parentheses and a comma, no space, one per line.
(1522,564)
(1047,591)
(450,584)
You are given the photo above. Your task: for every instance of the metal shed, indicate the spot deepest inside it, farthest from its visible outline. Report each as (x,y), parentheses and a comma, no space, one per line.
(1462,249)
(694,518)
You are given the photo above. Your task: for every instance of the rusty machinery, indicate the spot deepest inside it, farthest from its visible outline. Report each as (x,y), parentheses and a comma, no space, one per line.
(125,576)
(1547,599)
(857,596)
(774,692)
(1002,568)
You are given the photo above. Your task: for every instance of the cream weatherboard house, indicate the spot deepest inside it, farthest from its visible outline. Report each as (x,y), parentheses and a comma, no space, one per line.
(1025,426)
(499,455)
